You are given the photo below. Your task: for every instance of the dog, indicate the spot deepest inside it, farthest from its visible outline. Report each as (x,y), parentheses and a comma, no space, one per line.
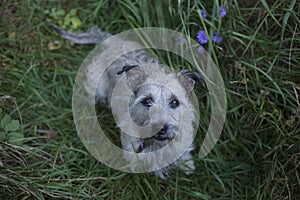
(152,103)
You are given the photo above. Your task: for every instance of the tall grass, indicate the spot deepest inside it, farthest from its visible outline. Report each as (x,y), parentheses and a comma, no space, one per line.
(257,156)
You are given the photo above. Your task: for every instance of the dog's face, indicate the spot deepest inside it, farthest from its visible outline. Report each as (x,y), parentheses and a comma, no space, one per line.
(156,105)
(158,99)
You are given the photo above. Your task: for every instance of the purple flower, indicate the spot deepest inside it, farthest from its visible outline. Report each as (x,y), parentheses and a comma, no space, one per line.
(201,37)
(203,13)
(217,39)
(200,50)
(221,11)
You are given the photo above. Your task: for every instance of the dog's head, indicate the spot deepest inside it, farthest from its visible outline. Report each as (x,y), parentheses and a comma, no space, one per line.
(159,98)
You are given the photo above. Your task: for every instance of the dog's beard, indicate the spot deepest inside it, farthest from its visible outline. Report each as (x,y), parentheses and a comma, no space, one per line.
(155,142)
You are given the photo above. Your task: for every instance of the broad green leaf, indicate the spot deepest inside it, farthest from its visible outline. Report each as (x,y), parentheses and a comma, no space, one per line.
(15,138)
(12,126)
(5,120)
(60,13)
(2,136)
(72,12)
(75,22)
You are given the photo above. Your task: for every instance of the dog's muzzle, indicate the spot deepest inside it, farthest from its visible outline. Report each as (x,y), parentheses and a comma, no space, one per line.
(164,134)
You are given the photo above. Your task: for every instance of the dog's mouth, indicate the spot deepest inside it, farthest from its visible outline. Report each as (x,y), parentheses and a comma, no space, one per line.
(164,134)
(160,137)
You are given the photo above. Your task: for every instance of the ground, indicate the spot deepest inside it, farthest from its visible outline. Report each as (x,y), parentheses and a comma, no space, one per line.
(257,156)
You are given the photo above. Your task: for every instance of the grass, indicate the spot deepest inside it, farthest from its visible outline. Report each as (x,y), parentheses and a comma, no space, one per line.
(257,156)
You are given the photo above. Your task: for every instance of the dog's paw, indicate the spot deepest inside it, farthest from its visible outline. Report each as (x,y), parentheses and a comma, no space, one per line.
(188,167)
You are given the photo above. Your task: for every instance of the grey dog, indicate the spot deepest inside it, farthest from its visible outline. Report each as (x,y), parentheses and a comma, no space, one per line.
(158,99)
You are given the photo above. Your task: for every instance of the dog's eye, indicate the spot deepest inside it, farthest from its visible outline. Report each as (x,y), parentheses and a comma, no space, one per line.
(147,102)
(174,103)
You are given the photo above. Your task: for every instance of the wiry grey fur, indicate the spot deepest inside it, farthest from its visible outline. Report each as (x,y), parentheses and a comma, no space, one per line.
(153,102)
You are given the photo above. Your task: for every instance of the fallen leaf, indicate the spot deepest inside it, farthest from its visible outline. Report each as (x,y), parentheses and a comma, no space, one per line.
(12,35)
(54,45)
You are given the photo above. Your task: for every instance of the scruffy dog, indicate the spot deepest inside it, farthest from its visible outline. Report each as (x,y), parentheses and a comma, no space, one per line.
(153,105)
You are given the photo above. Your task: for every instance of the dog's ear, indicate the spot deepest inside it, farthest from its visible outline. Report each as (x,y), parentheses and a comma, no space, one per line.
(135,75)
(187,79)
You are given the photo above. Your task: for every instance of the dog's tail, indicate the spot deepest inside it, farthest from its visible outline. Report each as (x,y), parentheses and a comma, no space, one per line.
(92,36)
